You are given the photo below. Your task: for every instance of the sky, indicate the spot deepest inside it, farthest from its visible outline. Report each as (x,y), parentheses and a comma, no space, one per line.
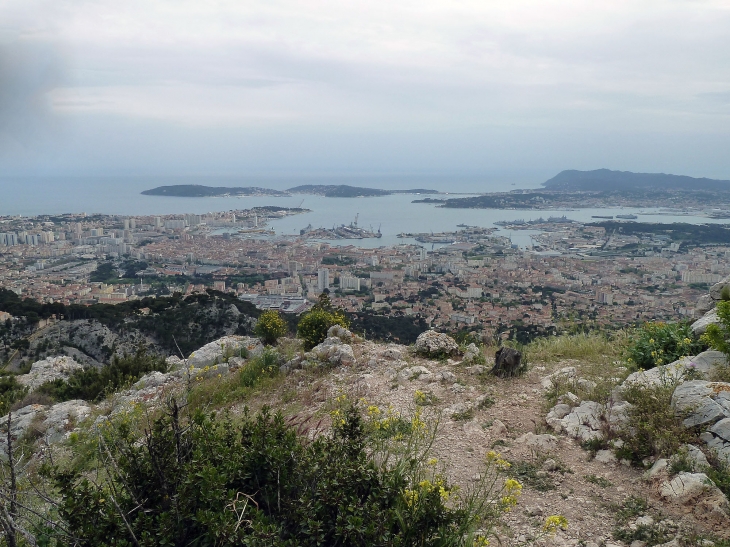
(518,88)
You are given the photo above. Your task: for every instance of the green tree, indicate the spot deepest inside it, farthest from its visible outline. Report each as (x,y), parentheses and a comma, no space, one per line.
(270,327)
(314,324)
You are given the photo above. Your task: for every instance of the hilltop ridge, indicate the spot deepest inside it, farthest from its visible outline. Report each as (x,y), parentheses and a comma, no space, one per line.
(604,179)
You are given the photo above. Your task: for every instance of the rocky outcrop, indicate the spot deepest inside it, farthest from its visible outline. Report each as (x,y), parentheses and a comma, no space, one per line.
(224,348)
(589,420)
(48,370)
(334,352)
(436,344)
(697,491)
(710,318)
(701,402)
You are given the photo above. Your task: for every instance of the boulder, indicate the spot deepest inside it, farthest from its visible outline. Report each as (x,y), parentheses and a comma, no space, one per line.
(710,318)
(658,376)
(702,402)
(694,455)
(48,370)
(556,414)
(334,352)
(585,421)
(716,289)
(538,443)
(472,353)
(717,439)
(224,348)
(338,331)
(392,354)
(698,492)
(415,373)
(563,375)
(704,304)
(436,344)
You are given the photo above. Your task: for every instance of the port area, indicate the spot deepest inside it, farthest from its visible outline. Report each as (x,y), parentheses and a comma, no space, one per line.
(467,234)
(351,231)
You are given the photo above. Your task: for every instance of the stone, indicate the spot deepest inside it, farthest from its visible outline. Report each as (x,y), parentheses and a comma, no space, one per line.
(704,304)
(338,331)
(561,376)
(686,487)
(414,373)
(498,429)
(570,398)
(174,362)
(48,370)
(710,318)
(638,543)
(703,402)
(334,352)
(585,421)
(556,414)
(224,348)
(707,360)
(392,354)
(658,376)
(716,289)
(605,456)
(584,384)
(659,468)
(476,370)
(538,443)
(695,456)
(472,353)
(550,465)
(722,429)
(435,344)
(444,376)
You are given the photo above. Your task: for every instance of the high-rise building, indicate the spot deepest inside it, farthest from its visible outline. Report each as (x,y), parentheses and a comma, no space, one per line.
(133,223)
(349,283)
(323,279)
(126,224)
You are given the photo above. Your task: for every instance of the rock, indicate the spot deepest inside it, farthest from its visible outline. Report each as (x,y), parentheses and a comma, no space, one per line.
(561,376)
(334,352)
(686,487)
(556,414)
(722,429)
(570,398)
(697,489)
(48,370)
(716,289)
(605,456)
(704,304)
(584,384)
(472,353)
(710,318)
(392,354)
(415,373)
(658,376)
(338,331)
(695,456)
(707,360)
(659,468)
(174,363)
(224,348)
(704,403)
(638,543)
(585,421)
(498,429)
(717,439)
(444,376)
(476,370)
(458,408)
(646,520)
(538,443)
(550,465)
(436,344)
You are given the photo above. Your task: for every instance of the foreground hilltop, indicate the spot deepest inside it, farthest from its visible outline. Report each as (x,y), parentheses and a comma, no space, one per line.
(566,429)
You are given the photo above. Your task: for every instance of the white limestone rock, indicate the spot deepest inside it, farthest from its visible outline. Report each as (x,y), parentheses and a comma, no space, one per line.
(433,344)
(223,348)
(710,318)
(702,402)
(48,370)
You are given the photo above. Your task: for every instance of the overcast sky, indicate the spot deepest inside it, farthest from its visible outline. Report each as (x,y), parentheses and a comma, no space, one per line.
(292,87)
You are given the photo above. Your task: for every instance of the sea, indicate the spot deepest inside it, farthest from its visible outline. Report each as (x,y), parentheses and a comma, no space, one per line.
(392,215)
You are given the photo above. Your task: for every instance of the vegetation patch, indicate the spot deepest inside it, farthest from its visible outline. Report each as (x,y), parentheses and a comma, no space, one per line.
(658,343)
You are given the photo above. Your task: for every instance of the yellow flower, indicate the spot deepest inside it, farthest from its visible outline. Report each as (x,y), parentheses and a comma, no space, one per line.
(554,522)
(411,497)
(373,410)
(513,486)
(432,462)
(651,340)
(498,461)
(480,541)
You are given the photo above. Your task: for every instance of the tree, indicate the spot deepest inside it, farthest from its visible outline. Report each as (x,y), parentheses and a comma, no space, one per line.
(270,327)
(314,324)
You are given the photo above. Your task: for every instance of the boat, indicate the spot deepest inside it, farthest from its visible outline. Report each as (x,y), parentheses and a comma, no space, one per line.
(627,217)
(602,216)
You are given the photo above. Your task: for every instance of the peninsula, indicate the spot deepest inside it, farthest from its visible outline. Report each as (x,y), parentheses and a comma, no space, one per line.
(327,190)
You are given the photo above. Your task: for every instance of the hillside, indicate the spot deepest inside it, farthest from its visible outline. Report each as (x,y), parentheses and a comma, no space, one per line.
(601,180)
(201,191)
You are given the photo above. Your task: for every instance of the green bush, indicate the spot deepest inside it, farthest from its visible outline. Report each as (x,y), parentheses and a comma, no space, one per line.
(314,324)
(716,336)
(270,327)
(652,428)
(255,481)
(659,343)
(93,384)
(10,392)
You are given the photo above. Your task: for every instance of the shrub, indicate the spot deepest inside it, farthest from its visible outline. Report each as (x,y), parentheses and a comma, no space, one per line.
(92,384)
(652,428)
(270,327)
(314,324)
(10,393)
(255,481)
(660,343)
(716,336)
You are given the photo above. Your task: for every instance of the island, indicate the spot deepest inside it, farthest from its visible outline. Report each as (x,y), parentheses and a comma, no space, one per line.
(200,191)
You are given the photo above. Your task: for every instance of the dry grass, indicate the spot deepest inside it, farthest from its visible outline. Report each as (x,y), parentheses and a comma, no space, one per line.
(594,348)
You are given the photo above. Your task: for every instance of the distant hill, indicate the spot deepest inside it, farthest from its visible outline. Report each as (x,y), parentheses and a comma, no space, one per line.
(605,179)
(345,191)
(200,191)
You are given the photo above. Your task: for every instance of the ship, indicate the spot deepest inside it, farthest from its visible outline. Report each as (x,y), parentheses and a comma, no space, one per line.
(603,216)
(627,217)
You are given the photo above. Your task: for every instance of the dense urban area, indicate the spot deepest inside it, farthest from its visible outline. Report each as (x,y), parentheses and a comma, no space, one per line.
(573,276)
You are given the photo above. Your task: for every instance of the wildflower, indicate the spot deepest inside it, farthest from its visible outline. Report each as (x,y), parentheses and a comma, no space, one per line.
(480,541)
(496,459)
(373,410)
(432,462)
(411,497)
(554,522)
(687,341)
(512,485)
(419,397)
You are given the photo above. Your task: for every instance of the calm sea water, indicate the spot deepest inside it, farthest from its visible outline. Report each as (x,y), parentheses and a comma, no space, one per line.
(392,214)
